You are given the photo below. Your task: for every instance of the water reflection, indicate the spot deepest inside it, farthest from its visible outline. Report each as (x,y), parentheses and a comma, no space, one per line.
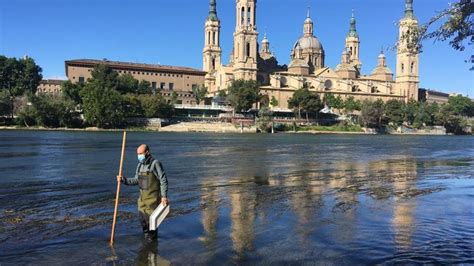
(242,214)
(245,199)
(148,255)
(403,207)
(210,214)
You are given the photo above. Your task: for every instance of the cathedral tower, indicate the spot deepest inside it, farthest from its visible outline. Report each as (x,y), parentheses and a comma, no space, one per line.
(212,50)
(312,49)
(407,77)
(353,44)
(245,41)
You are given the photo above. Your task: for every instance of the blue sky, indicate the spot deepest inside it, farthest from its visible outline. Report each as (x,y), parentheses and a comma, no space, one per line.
(171,32)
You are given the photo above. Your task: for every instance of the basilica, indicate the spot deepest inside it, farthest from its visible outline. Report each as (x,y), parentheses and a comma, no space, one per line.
(250,60)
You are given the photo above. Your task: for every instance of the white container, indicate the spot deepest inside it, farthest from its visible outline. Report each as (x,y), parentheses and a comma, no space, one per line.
(158,215)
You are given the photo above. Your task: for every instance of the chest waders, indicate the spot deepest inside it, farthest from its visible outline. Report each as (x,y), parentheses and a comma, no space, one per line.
(149,199)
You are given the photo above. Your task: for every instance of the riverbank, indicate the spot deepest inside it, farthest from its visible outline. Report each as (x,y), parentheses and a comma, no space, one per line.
(222,127)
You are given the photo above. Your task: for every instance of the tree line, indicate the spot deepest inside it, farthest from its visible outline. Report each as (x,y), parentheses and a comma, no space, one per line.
(105,101)
(453,115)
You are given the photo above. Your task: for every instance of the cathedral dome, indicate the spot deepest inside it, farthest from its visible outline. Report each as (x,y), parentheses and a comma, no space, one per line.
(309,42)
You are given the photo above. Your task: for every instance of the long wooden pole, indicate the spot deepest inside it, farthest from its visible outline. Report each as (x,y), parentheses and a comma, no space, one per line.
(118,188)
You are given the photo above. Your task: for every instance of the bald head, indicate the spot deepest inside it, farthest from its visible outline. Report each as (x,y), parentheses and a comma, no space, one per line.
(143,149)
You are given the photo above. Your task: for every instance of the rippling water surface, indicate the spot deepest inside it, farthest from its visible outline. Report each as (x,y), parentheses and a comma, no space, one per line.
(240,199)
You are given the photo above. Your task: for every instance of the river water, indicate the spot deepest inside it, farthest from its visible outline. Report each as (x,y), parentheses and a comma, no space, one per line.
(240,199)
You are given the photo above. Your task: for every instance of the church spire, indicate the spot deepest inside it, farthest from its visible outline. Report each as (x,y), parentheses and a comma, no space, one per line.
(308,25)
(212,11)
(352,29)
(409,9)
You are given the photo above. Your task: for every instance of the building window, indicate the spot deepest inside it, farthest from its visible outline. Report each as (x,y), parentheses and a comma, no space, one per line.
(403,68)
(412,67)
(153,86)
(328,84)
(162,85)
(81,80)
(248,49)
(242,16)
(248,16)
(171,86)
(373,90)
(209,38)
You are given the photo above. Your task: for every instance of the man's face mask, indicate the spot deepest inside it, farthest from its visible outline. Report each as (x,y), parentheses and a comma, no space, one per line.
(141,158)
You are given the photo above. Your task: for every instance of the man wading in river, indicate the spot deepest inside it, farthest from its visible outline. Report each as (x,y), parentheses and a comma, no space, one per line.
(151,178)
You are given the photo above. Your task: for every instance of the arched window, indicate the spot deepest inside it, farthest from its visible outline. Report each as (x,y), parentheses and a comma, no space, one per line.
(248,49)
(248,16)
(214,37)
(213,63)
(350,50)
(412,67)
(242,16)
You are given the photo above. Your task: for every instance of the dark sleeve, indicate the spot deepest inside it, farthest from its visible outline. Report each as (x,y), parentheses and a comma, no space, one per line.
(161,176)
(132,181)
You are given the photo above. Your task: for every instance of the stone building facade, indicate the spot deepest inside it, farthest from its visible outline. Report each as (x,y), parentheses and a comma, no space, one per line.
(50,87)
(307,65)
(163,79)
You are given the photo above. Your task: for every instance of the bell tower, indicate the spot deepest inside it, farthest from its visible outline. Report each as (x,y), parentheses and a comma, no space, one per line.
(407,77)
(245,41)
(212,50)
(353,44)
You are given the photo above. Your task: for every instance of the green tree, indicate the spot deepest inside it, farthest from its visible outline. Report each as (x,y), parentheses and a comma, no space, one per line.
(155,106)
(394,111)
(199,93)
(297,101)
(102,103)
(264,120)
(351,105)
(304,100)
(18,77)
(333,102)
(174,97)
(274,102)
(422,117)
(126,83)
(371,113)
(72,91)
(242,94)
(48,111)
(410,111)
(132,104)
(144,87)
(455,23)
(448,118)
(461,105)
(4,103)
